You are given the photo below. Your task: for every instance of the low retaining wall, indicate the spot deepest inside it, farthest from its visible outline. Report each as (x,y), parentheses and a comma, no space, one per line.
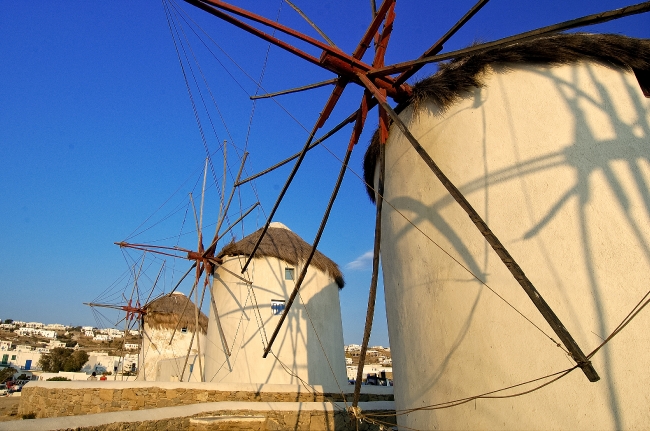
(55,399)
(225,415)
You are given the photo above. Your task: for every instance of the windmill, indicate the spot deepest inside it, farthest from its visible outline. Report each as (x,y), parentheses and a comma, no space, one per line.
(378,84)
(135,306)
(203,258)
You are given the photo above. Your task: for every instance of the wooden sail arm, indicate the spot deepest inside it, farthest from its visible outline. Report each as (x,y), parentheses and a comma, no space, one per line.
(211,250)
(529,35)
(361,117)
(158,249)
(331,59)
(128,308)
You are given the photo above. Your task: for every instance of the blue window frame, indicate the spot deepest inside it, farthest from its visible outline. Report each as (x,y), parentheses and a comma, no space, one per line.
(277,306)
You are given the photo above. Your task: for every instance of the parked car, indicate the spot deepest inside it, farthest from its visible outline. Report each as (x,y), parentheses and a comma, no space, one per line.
(3,390)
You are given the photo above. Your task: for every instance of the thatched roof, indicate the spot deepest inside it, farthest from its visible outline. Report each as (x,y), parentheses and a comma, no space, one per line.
(165,313)
(283,244)
(456,78)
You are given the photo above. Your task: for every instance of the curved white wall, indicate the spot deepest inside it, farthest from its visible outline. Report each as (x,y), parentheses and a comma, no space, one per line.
(156,348)
(296,346)
(557,162)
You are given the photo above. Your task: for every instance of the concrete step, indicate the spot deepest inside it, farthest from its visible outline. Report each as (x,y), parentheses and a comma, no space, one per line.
(228,422)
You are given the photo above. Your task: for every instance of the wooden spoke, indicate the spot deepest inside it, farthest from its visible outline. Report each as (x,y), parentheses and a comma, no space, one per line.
(597,18)
(324,115)
(372,295)
(296,90)
(361,118)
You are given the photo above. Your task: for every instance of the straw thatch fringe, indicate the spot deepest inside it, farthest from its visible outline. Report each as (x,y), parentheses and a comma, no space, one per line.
(458,77)
(284,245)
(165,313)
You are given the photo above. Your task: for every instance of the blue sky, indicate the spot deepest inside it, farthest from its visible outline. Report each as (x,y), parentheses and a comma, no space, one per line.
(98,139)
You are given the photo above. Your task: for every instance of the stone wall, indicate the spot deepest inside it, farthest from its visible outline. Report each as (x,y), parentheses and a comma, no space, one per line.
(55,399)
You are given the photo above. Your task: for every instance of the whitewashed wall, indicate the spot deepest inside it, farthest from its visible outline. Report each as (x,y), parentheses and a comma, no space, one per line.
(557,162)
(156,347)
(296,346)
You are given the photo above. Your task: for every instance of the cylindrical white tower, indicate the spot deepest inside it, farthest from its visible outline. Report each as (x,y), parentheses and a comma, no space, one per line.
(164,316)
(556,160)
(309,347)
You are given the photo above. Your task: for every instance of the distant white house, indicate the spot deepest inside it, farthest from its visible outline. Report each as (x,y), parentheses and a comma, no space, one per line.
(28,331)
(131,346)
(18,323)
(25,332)
(45,333)
(101,362)
(352,347)
(20,359)
(42,350)
(87,328)
(5,345)
(102,337)
(35,325)
(130,363)
(54,344)
(134,332)
(24,348)
(115,333)
(367,369)
(348,361)
(7,326)
(55,327)
(89,333)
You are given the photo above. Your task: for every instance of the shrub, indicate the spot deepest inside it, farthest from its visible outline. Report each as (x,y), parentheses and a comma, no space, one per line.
(6,374)
(58,379)
(62,359)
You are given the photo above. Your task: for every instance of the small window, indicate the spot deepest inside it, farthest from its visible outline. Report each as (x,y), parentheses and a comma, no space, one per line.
(288,274)
(13,357)
(277,306)
(183,330)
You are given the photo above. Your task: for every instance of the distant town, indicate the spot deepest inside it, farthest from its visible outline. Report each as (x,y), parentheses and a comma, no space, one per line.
(116,353)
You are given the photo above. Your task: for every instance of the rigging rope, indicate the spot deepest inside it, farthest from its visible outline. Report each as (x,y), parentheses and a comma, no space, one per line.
(253,187)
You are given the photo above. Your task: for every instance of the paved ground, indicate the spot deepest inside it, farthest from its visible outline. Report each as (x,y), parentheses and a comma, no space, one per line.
(9,406)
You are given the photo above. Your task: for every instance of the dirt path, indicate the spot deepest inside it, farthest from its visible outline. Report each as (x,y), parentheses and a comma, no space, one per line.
(9,408)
